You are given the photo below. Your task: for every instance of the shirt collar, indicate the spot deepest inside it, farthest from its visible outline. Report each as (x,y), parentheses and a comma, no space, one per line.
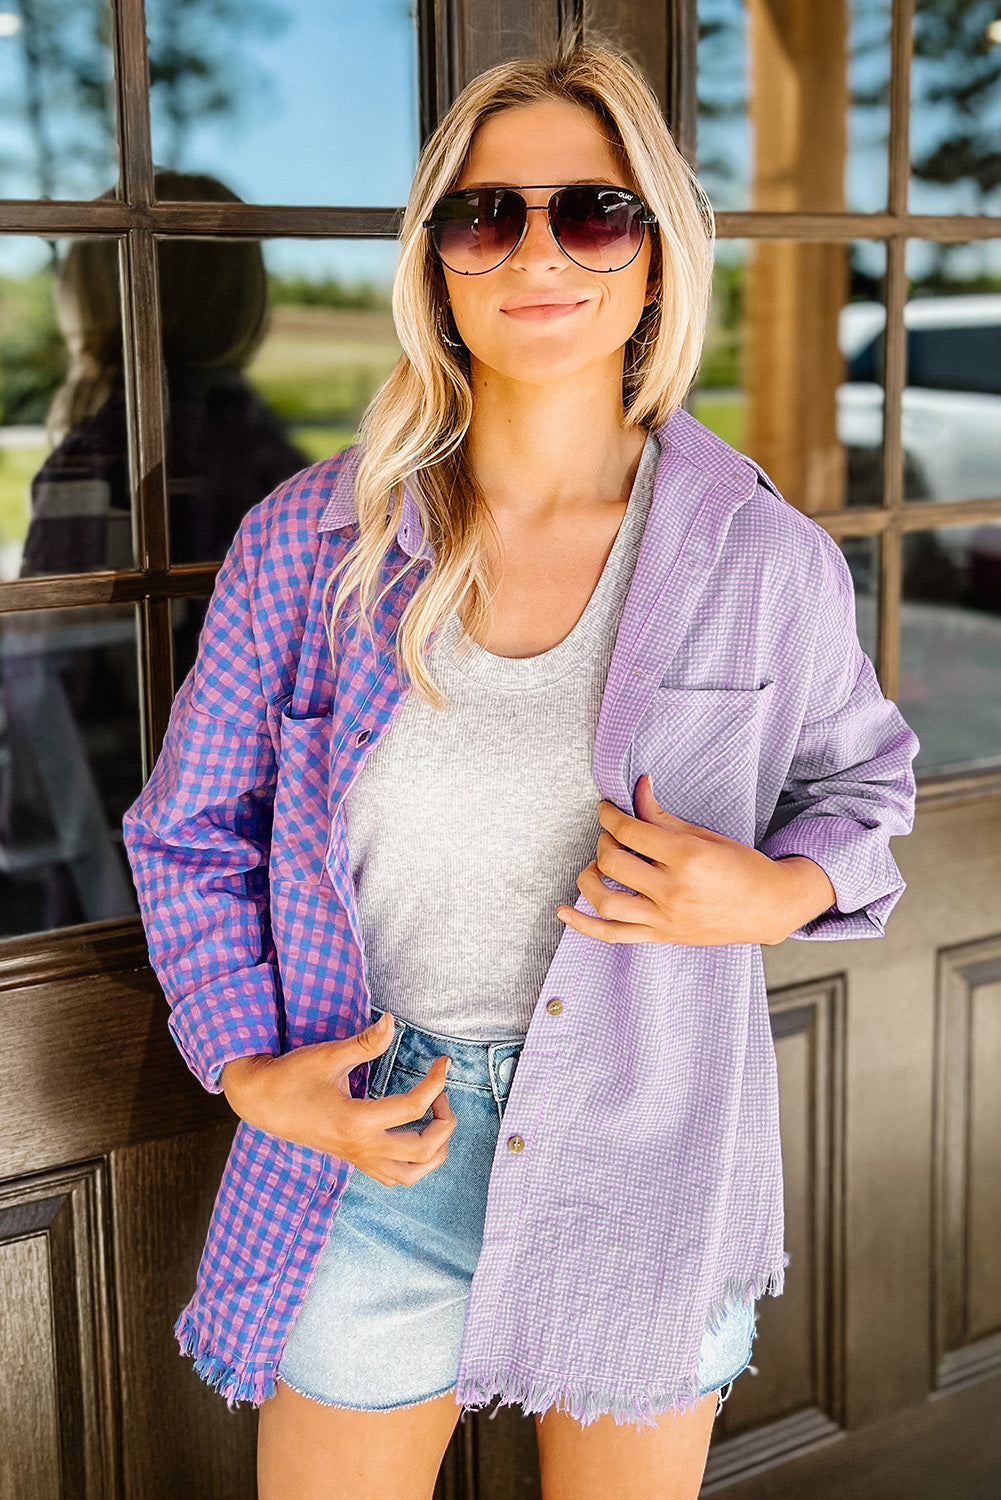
(340,508)
(680,426)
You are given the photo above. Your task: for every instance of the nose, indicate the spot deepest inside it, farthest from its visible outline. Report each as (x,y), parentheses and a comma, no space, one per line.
(538,243)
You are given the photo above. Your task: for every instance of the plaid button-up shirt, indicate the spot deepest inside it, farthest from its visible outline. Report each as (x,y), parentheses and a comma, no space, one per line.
(648,1194)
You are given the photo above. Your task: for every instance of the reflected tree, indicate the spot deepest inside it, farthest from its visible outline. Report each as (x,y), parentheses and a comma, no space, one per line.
(957,87)
(58,94)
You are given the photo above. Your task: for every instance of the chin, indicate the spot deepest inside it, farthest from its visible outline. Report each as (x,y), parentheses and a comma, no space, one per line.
(546,367)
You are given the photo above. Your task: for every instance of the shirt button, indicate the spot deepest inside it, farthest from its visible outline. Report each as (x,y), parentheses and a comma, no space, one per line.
(554,1006)
(515,1143)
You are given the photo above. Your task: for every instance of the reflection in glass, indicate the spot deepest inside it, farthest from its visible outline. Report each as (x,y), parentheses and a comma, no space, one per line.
(785,374)
(950,646)
(58,91)
(266,369)
(275,380)
(793,105)
(955,107)
(64,491)
(70,765)
(862,556)
(952,402)
(186,619)
(290,101)
(226,448)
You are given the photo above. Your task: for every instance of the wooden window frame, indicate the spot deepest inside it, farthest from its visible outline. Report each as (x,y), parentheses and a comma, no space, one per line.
(666,39)
(890,520)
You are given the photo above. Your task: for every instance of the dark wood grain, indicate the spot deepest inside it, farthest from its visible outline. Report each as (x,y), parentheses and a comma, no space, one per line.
(179,1436)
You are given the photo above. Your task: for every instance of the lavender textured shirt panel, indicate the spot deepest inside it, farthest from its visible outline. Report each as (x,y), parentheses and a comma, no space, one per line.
(647,1196)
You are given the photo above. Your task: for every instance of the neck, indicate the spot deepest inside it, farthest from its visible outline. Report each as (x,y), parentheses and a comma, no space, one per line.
(547,450)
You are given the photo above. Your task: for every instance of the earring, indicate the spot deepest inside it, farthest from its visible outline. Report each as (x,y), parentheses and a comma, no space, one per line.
(452,342)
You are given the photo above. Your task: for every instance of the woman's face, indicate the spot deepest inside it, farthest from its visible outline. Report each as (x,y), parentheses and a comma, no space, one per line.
(550,141)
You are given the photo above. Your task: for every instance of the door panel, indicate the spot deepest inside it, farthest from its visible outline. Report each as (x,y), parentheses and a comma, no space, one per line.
(878,1370)
(110,1157)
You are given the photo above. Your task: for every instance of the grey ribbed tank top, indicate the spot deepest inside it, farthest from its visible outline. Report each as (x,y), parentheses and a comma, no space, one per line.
(467,827)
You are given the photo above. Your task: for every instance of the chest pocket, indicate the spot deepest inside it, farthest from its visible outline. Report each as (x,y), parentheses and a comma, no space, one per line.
(301,820)
(701,748)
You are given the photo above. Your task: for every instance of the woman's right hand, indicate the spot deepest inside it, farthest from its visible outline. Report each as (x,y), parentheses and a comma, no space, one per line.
(305,1096)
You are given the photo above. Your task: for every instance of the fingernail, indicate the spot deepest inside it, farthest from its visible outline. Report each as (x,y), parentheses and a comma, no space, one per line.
(448,1063)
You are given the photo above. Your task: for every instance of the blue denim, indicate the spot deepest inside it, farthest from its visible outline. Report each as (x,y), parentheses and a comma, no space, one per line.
(381,1324)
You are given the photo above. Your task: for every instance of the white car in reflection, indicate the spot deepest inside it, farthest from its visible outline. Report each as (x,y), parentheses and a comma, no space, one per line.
(950,430)
(951,420)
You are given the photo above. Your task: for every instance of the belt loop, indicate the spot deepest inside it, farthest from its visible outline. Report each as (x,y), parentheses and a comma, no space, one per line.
(383,1065)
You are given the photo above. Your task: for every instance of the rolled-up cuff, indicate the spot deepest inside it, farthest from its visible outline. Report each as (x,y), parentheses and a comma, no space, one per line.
(863,872)
(233,1017)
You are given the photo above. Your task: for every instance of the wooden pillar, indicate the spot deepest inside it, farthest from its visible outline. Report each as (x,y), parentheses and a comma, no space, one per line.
(798,111)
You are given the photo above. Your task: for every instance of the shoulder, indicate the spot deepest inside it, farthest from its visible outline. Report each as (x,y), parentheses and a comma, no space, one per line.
(290,514)
(765,529)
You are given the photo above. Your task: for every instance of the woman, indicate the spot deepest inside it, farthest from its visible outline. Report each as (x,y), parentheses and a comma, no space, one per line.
(648,654)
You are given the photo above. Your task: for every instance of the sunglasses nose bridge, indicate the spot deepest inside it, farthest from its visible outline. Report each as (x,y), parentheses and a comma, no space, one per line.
(545,208)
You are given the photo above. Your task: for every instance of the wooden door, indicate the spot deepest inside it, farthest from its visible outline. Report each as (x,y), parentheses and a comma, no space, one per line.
(849,352)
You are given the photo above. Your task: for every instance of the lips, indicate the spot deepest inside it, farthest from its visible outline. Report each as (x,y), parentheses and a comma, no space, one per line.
(517,303)
(541,312)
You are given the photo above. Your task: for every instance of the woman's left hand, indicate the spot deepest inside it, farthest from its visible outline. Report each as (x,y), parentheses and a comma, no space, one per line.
(694,886)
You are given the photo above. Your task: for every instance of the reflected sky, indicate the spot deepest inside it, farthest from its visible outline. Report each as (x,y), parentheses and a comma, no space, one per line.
(287,101)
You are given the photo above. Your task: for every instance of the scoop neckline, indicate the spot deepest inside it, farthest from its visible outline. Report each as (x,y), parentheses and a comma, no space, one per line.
(545,666)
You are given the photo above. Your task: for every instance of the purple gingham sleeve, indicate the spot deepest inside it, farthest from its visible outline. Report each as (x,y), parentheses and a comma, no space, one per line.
(851,786)
(198,841)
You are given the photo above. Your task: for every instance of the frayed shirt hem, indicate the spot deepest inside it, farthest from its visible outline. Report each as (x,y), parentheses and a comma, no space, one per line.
(235,1384)
(581,1399)
(585,1402)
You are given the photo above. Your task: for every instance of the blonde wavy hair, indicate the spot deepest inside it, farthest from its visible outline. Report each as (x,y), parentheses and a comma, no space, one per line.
(414,427)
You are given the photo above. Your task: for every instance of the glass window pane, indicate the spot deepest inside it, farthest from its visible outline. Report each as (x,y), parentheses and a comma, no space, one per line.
(788,374)
(955,108)
(793,105)
(951,418)
(186,619)
(287,101)
(950,645)
(65,496)
(271,355)
(57,120)
(862,556)
(70,765)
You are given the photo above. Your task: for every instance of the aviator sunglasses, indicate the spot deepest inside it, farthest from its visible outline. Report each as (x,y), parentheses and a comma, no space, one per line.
(600,227)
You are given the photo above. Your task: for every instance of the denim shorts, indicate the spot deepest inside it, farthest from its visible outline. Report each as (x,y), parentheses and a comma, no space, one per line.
(382,1320)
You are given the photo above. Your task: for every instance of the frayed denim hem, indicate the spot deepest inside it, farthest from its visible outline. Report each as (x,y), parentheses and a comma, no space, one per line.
(343,1406)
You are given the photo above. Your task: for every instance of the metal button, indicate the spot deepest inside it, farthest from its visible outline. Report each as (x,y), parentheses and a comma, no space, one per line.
(554,1006)
(505,1068)
(515,1143)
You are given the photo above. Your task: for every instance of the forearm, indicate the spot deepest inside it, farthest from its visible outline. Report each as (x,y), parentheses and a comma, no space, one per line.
(802,891)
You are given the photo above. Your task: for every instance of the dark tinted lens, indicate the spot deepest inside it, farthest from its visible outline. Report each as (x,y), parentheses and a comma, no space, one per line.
(473,231)
(598,227)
